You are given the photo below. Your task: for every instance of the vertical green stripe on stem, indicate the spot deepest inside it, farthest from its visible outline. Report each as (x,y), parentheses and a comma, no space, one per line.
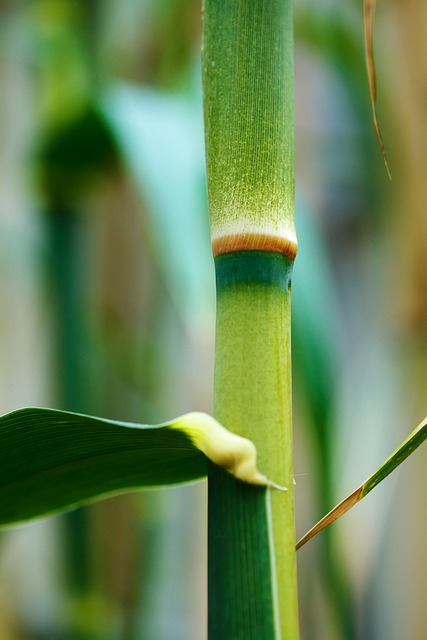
(252,581)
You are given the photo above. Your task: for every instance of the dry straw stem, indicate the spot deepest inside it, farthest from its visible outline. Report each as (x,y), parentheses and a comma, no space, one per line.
(368,20)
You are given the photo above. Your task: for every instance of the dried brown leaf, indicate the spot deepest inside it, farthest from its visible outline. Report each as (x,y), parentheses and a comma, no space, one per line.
(368,20)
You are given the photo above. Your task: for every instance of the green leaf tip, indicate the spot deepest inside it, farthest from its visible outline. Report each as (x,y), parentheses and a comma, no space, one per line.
(54,460)
(412,442)
(235,454)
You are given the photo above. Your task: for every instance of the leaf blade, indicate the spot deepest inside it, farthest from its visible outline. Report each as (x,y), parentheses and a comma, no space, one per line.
(408,446)
(53,460)
(66,459)
(368,21)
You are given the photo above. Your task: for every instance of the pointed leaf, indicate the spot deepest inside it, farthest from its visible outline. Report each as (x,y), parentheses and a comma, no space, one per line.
(53,460)
(368,19)
(416,438)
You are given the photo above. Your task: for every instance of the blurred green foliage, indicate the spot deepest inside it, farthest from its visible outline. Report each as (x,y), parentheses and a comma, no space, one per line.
(105,264)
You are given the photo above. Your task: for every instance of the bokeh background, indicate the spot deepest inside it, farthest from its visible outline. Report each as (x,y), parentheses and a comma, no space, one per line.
(107,306)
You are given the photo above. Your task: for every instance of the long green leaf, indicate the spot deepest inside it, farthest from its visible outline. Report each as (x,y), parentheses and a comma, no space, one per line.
(53,460)
(411,443)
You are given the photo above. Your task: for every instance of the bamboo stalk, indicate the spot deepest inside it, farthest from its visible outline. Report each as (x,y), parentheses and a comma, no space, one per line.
(248,98)
(248,94)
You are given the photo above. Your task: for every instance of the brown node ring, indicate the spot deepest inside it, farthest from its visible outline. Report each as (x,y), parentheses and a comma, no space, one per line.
(255,242)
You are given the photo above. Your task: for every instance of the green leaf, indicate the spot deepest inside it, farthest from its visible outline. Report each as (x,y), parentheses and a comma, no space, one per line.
(53,460)
(411,443)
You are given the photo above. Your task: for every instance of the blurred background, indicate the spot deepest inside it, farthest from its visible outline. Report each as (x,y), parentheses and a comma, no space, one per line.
(107,306)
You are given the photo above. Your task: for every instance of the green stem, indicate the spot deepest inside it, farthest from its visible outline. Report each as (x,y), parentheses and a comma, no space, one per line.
(252,581)
(249,122)
(248,101)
